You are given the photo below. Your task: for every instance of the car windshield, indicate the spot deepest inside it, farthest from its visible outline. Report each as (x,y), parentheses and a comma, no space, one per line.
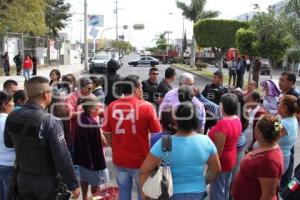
(101,57)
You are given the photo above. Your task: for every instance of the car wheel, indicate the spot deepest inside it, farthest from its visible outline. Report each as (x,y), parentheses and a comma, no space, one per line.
(135,64)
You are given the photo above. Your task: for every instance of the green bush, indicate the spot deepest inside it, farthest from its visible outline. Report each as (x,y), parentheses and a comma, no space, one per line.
(201,65)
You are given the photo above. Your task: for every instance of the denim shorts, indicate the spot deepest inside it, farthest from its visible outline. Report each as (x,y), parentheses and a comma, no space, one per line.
(6,173)
(95,178)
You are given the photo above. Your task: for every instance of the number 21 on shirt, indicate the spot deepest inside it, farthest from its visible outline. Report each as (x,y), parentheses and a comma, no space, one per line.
(121,117)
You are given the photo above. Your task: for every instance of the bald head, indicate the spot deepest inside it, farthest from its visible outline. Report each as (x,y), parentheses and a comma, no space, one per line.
(36,86)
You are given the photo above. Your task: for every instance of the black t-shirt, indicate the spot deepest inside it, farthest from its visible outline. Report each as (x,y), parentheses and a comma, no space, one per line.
(163,88)
(149,90)
(294,92)
(108,87)
(214,93)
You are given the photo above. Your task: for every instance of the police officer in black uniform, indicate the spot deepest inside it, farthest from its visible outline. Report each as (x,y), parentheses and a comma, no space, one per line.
(214,92)
(110,84)
(41,151)
(18,61)
(150,86)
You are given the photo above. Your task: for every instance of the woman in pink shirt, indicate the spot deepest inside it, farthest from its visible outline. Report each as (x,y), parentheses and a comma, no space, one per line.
(225,135)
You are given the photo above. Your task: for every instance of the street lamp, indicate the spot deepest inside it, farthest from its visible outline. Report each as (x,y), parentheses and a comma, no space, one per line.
(85,36)
(135,27)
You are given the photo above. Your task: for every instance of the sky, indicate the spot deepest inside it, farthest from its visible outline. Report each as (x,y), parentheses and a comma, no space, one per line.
(154,14)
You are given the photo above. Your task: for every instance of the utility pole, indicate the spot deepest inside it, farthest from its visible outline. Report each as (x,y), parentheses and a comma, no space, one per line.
(117,34)
(85,37)
(182,42)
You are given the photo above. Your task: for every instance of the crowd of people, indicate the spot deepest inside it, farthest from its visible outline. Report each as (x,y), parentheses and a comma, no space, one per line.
(237,141)
(28,66)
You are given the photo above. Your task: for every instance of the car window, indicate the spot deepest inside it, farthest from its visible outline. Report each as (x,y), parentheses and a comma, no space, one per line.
(149,58)
(143,58)
(101,57)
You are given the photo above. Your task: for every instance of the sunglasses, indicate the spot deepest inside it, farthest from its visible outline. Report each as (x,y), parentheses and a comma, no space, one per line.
(154,73)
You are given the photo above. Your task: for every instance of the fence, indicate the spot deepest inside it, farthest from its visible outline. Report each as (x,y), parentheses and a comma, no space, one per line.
(13,43)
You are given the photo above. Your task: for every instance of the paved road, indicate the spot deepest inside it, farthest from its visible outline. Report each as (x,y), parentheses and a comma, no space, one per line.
(143,71)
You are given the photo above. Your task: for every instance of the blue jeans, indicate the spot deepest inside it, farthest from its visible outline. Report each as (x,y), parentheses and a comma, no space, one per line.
(189,196)
(240,156)
(124,177)
(5,180)
(220,188)
(288,174)
(26,74)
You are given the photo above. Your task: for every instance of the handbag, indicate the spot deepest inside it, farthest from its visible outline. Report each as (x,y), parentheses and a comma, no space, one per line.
(159,184)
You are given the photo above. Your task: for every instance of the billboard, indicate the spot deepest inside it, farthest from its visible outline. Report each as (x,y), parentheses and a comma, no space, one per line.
(95,20)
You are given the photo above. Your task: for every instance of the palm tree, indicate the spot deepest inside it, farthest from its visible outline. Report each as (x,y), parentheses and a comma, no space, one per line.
(294,5)
(194,12)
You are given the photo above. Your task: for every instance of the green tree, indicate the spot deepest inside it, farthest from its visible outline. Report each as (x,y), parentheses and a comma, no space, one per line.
(56,16)
(194,12)
(293,20)
(123,46)
(294,6)
(23,16)
(161,42)
(218,34)
(273,37)
(245,42)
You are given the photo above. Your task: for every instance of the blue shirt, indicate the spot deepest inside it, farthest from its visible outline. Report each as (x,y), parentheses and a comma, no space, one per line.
(290,125)
(7,155)
(156,137)
(188,158)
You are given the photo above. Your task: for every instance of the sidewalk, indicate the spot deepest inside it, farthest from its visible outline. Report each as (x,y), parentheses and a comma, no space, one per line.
(75,69)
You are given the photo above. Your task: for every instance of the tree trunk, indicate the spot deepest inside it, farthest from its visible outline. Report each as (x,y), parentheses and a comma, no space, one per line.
(48,51)
(219,57)
(193,52)
(250,69)
(272,63)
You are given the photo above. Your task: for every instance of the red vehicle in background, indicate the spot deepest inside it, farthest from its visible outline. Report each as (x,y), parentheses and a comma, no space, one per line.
(164,55)
(232,53)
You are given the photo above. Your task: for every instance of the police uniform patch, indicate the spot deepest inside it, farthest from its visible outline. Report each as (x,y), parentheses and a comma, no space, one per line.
(61,137)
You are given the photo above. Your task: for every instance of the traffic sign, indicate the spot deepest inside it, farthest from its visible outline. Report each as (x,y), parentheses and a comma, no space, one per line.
(94,32)
(96,20)
(138,26)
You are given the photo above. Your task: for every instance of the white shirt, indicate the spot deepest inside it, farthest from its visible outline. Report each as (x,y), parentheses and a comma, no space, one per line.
(249,130)
(7,155)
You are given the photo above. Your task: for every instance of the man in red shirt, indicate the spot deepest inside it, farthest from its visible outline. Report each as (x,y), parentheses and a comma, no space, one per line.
(128,123)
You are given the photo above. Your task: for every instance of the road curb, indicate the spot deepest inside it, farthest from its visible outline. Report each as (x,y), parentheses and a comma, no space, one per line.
(194,73)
